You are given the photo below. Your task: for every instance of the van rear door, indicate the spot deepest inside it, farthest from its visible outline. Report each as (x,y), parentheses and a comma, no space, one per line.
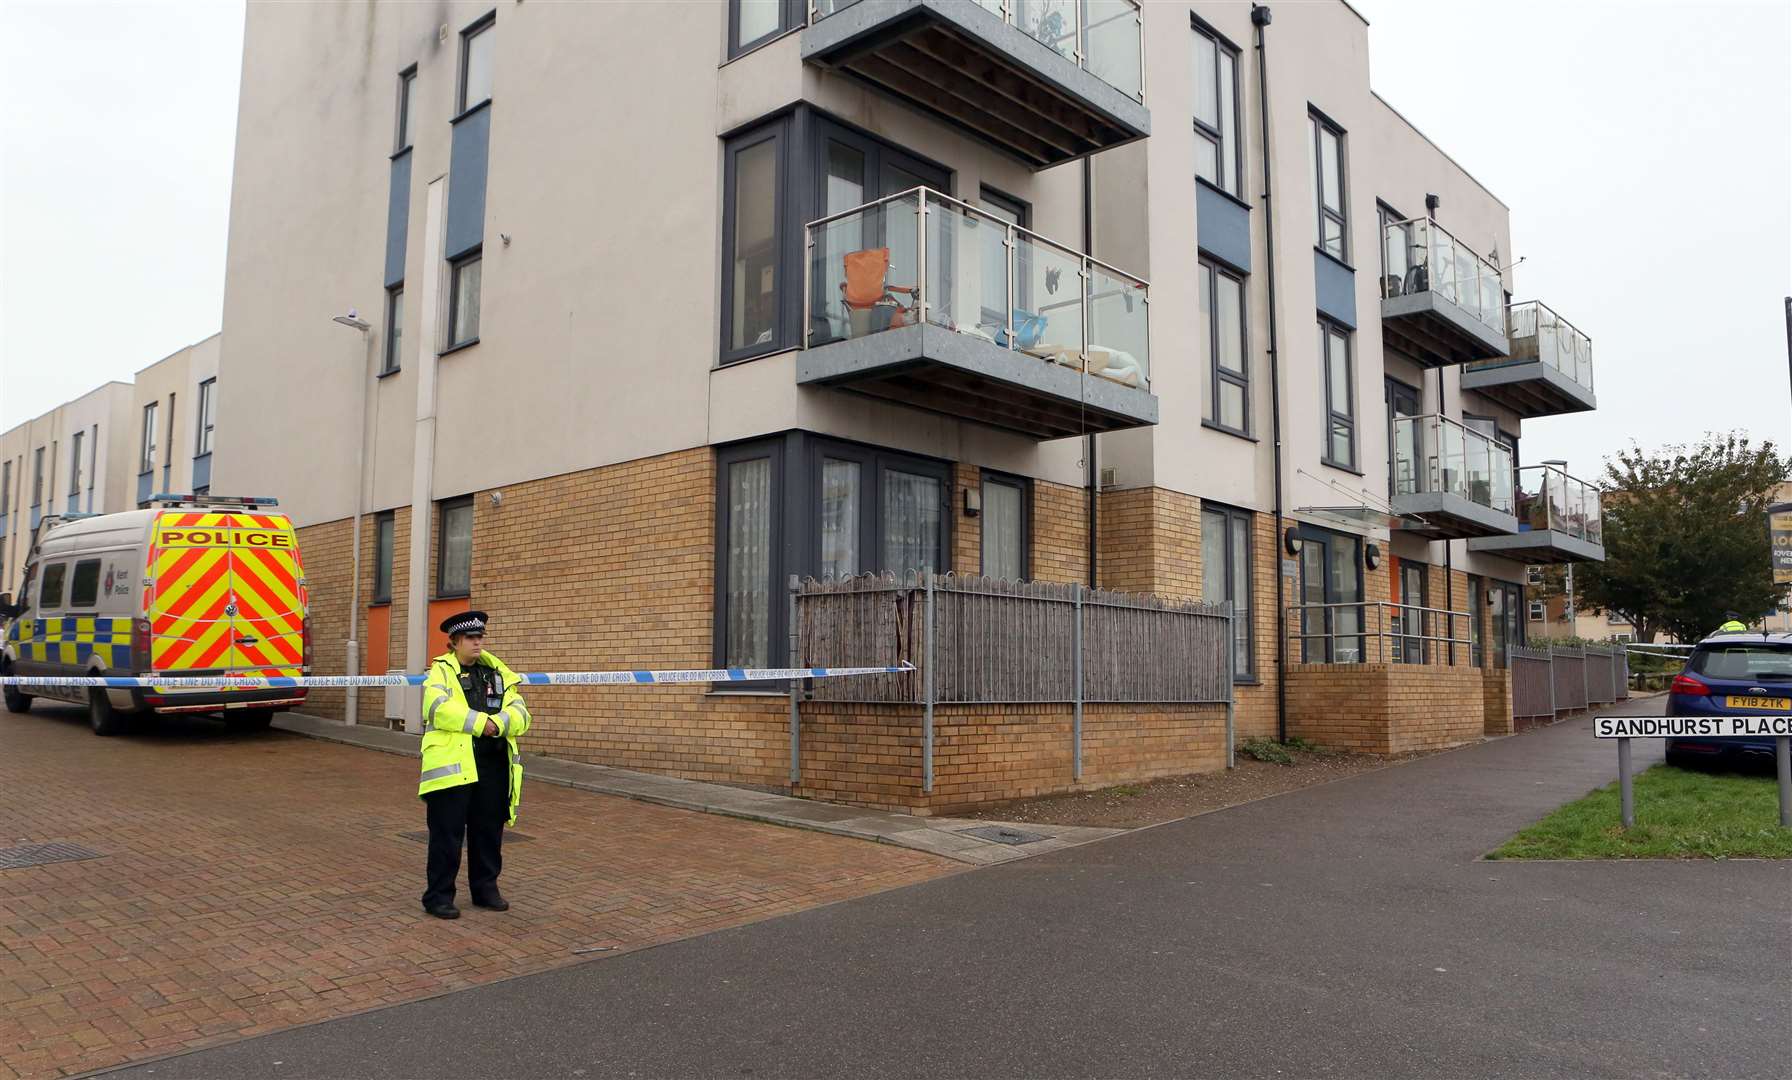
(225,594)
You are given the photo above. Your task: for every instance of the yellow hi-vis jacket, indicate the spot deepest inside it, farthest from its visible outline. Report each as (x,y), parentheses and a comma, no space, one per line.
(449,727)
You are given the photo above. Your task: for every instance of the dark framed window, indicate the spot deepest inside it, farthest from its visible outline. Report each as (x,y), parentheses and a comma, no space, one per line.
(146,459)
(1226,577)
(1396,250)
(390,357)
(1340,395)
(1505,607)
(1229,386)
(49,594)
(755,264)
(208,415)
(751,621)
(5,486)
(74,463)
(384,529)
(799,504)
(37,468)
(463,299)
(1330,188)
(1477,610)
(407,85)
(454,551)
(1007,526)
(1009,211)
(1219,156)
(752,23)
(85,591)
(1330,582)
(1415,592)
(478,49)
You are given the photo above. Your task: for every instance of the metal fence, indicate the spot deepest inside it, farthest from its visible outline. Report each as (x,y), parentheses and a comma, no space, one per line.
(1375,631)
(1550,681)
(975,640)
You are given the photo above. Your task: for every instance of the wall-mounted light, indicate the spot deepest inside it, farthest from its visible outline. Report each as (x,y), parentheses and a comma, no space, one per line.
(1291,540)
(1372,555)
(973,502)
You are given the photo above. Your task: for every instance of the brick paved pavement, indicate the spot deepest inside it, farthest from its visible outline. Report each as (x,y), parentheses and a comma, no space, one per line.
(250,883)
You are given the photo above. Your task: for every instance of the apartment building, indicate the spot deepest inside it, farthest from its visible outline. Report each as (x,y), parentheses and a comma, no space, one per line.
(609,318)
(109,450)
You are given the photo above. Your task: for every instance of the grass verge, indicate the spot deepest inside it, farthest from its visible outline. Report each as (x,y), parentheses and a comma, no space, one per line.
(1680,814)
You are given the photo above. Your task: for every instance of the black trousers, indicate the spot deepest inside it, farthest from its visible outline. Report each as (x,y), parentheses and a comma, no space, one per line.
(476,812)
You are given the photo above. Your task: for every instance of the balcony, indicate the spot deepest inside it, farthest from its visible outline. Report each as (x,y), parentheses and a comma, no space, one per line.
(1047,81)
(1558,520)
(1441,303)
(924,300)
(1549,371)
(1450,481)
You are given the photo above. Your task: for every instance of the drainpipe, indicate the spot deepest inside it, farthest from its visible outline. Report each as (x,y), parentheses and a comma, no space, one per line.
(1260,19)
(1449,551)
(1093,478)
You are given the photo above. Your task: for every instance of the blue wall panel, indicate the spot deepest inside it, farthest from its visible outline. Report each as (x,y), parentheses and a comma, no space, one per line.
(1335,285)
(466,182)
(398,216)
(1223,228)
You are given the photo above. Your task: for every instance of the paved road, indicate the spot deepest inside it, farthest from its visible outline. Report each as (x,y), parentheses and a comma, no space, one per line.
(1347,930)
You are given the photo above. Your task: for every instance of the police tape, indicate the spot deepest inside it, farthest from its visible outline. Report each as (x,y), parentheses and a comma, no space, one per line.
(667,677)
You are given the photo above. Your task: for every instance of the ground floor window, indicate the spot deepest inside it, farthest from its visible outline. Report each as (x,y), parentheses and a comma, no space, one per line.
(1505,607)
(1477,605)
(1331,596)
(1006,503)
(801,505)
(1414,624)
(1226,576)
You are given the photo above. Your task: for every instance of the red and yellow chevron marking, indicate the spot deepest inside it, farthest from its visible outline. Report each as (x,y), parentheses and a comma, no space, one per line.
(209,562)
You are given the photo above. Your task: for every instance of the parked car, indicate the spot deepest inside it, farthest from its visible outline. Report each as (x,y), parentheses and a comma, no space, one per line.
(1737,674)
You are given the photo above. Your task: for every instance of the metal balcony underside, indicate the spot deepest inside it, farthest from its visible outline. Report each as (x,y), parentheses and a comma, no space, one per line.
(1540,546)
(1443,515)
(969,378)
(1437,332)
(1529,388)
(965,65)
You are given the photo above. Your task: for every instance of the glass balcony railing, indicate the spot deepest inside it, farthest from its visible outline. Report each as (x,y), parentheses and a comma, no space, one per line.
(1104,37)
(1549,498)
(1539,334)
(1436,455)
(1421,256)
(923,257)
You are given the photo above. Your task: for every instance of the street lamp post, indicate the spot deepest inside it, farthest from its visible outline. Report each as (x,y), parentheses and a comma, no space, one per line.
(350,713)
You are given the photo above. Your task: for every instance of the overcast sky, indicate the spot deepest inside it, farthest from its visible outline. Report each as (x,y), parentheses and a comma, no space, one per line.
(1645,151)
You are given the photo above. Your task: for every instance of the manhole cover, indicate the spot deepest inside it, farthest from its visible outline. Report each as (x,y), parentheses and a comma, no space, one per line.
(1000,835)
(17,858)
(422,836)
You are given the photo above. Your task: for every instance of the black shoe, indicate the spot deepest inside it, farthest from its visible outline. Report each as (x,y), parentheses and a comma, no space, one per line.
(444,911)
(494,902)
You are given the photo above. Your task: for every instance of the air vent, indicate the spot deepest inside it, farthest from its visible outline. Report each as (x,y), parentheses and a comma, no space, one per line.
(1107,478)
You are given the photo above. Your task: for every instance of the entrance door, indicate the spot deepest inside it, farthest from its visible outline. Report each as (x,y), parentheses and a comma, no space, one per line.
(1331,575)
(1405,441)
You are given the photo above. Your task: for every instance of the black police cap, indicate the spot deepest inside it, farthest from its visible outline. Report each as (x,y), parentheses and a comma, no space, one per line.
(467,622)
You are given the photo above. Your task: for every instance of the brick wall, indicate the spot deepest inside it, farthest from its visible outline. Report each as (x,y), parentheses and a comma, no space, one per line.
(1150,541)
(1385,708)
(1496,697)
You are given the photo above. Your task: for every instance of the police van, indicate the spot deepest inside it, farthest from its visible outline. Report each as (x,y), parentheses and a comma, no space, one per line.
(192,585)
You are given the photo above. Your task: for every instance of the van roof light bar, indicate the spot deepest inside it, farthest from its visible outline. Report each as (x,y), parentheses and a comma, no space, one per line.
(212,500)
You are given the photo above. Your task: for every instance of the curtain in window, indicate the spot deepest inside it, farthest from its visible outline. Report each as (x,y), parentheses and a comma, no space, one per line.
(457,550)
(1002,539)
(1241,594)
(911,508)
(839,518)
(749,563)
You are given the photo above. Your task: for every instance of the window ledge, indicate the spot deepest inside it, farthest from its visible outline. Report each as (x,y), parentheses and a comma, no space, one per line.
(452,349)
(770,352)
(390,373)
(400,152)
(764,44)
(1234,432)
(1321,251)
(468,595)
(470,110)
(1330,464)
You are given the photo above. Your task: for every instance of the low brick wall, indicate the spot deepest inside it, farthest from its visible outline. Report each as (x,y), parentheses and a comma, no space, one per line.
(1385,708)
(871,755)
(1496,699)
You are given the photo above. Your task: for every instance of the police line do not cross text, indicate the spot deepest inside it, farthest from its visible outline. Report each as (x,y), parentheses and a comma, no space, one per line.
(1692,727)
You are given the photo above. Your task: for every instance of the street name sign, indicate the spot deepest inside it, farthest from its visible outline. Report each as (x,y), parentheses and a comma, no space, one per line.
(1692,727)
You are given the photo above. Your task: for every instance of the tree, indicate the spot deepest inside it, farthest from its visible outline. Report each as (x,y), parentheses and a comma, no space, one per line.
(1686,537)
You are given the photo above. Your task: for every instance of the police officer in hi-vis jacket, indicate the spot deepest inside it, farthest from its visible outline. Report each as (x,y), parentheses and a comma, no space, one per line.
(472,775)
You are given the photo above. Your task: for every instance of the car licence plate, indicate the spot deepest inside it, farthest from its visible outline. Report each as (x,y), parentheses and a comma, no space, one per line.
(1777,704)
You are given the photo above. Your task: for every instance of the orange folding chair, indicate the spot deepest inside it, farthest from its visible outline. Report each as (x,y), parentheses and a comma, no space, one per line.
(871,302)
